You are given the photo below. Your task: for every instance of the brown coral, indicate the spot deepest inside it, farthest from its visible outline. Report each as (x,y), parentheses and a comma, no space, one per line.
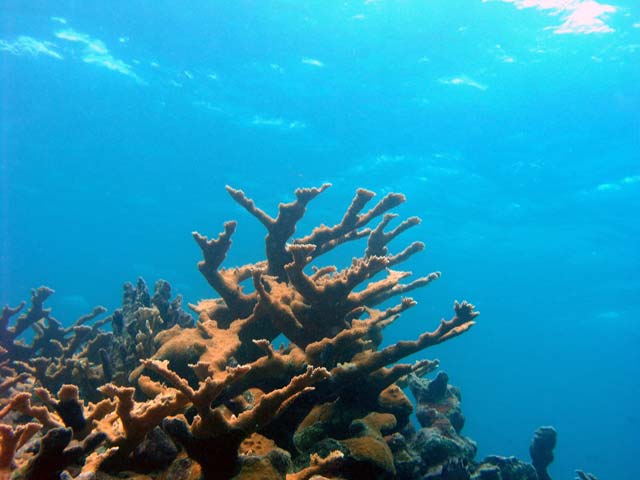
(218,388)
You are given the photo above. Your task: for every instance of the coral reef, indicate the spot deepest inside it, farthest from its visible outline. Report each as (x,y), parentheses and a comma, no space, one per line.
(147,392)
(541,450)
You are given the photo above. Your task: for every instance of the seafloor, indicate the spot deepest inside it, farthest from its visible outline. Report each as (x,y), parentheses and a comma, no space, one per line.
(149,393)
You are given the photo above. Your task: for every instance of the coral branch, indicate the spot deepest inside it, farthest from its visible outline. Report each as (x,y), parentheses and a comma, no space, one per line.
(214,252)
(8,335)
(281,228)
(57,451)
(326,238)
(274,403)
(11,439)
(378,238)
(135,420)
(319,466)
(461,322)
(22,403)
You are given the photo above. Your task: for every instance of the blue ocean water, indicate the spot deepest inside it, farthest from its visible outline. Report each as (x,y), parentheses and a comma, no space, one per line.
(512,126)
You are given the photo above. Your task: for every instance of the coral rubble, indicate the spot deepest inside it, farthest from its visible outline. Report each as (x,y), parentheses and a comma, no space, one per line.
(147,392)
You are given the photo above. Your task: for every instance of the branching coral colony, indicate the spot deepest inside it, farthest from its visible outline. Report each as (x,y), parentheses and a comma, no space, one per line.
(148,393)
